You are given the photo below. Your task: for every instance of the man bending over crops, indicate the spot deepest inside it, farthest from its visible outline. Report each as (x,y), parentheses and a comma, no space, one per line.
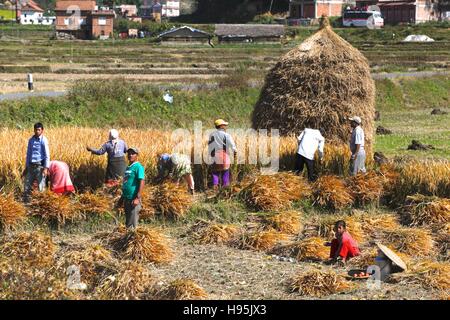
(115,149)
(358,158)
(133,184)
(308,142)
(176,166)
(344,246)
(37,161)
(219,145)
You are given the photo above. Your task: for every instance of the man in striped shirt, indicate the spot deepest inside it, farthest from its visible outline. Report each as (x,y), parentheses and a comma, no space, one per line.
(37,161)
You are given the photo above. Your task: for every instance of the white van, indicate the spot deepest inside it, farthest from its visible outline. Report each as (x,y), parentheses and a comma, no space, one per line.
(356,18)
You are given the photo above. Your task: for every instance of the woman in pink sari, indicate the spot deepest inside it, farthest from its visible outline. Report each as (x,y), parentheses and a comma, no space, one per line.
(59,178)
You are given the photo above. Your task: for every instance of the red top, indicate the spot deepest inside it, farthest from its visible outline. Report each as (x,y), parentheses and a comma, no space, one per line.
(349,247)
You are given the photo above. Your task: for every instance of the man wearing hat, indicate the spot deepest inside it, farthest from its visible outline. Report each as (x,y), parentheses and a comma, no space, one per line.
(358,158)
(133,184)
(219,145)
(176,166)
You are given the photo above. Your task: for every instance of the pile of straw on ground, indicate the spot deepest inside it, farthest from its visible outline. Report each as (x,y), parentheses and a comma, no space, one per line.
(288,222)
(265,193)
(317,283)
(92,259)
(420,210)
(93,203)
(260,240)
(54,208)
(148,209)
(132,282)
(11,212)
(319,84)
(372,224)
(365,259)
(183,289)
(309,249)
(429,274)
(214,233)
(332,193)
(411,241)
(366,188)
(34,249)
(296,187)
(141,244)
(171,200)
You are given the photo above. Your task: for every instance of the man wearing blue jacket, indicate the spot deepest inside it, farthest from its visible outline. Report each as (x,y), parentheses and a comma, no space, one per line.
(37,162)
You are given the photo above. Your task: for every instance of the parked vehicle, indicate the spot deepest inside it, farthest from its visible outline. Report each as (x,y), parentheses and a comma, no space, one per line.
(360,18)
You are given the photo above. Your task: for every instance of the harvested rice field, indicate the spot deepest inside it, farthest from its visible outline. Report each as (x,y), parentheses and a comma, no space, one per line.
(265,236)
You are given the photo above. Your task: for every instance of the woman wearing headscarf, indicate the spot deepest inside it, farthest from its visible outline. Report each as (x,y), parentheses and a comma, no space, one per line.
(116,149)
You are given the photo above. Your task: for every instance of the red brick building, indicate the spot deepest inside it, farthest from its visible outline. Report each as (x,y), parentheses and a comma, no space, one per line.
(83,20)
(404,11)
(314,9)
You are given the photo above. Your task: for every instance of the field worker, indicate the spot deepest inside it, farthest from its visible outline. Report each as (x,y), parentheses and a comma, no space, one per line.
(37,161)
(30,82)
(115,149)
(220,144)
(358,158)
(58,174)
(133,184)
(309,141)
(176,166)
(343,247)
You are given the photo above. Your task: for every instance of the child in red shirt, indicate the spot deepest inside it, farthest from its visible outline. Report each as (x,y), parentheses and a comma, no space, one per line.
(344,246)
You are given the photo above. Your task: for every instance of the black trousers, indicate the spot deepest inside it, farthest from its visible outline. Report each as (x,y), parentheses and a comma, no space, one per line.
(300,162)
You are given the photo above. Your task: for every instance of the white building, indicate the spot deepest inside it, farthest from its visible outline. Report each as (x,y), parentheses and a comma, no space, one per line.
(30,13)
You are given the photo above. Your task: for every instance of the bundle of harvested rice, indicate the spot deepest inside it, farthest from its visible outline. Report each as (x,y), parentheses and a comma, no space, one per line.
(420,210)
(429,274)
(11,211)
(309,249)
(332,193)
(366,188)
(184,289)
(93,203)
(91,259)
(132,282)
(265,193)
(148,210)
(261,240)
(317,283)
(287,222)
(319,84)
(295,186)
(35,248)
(373,223)
(323,226)
(141,244)
(54,208)
(172,200)
(411,241)
(365,259)
(215,233)
(442,240)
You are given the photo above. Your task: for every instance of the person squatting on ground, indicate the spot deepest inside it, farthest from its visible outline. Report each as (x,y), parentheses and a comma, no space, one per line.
(115,148)
(37,162)
(309,141)
(59,178)
(133,184)
(343,247)
(176,167)
(220,144)
(358,158)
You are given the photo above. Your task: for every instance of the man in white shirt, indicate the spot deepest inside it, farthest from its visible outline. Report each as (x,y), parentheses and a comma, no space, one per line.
(358,159)
(308,142)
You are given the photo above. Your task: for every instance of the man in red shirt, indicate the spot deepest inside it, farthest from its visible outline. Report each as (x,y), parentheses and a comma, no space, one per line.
(344,246)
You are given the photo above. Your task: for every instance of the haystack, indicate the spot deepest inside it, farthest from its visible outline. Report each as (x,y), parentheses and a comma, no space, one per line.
(260,240)
(93,203)
(411,241)
(317,283)
(332,193)
(286,222)
(34,249)
(429,274)
(420,210)
(184,289)
(141,244)
(319,84)
(309,249)
(367,188)
(11,211)
(171,200)
(54,208)
(213,233)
